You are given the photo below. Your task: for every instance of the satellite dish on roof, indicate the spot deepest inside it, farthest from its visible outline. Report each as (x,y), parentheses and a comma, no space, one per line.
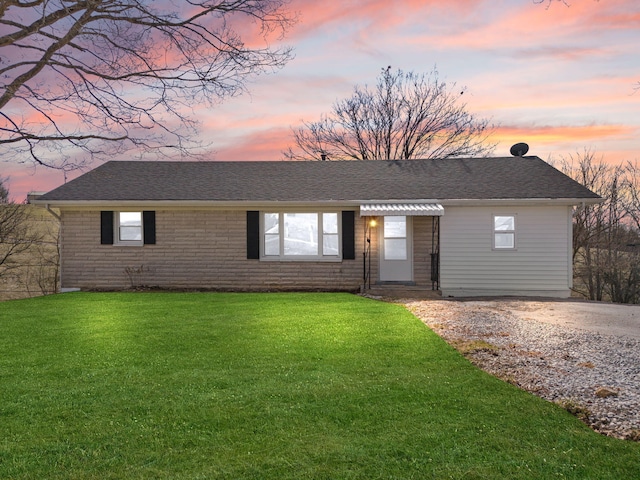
(519,149)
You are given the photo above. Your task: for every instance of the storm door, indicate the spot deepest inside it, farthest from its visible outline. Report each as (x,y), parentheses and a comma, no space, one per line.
(396,256)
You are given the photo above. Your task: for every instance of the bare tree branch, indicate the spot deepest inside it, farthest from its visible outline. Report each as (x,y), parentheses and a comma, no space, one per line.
(90,78)
(15,235)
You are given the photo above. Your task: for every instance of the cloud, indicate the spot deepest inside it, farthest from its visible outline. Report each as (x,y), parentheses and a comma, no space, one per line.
(268,144)
(371,17)
(616,143)
(265,144)
(618,15)
(23,180)
(566,53)
(505,26)
(549,134)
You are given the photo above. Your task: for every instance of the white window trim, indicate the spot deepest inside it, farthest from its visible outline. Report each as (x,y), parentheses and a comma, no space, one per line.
(496,232)
(300,258)
(116,230)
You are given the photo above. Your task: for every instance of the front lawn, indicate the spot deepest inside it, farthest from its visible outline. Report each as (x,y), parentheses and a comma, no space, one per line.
(326,386)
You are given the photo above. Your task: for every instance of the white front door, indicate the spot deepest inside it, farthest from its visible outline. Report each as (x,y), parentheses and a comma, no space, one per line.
(396,252)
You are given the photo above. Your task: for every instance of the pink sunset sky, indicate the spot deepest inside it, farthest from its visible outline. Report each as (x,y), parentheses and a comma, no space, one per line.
(560,78)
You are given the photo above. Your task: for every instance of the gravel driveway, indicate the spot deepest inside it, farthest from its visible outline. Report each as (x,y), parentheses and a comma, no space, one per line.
(605,318)
(584,356)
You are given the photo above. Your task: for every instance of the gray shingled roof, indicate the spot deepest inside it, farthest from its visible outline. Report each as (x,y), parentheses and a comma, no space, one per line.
(467,178)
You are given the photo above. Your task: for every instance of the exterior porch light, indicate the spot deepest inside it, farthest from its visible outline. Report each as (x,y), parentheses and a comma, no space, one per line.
(369,224)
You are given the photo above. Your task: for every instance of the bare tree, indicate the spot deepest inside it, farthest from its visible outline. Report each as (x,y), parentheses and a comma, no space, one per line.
(606,260)
(90,78)
(40,269)
(632,200)
(15,235)
(407,115)
(589,225)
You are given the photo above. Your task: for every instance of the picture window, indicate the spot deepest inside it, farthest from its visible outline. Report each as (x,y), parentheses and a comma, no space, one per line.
(301,235)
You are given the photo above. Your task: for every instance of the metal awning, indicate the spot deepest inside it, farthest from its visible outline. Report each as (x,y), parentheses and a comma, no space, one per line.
(408,209)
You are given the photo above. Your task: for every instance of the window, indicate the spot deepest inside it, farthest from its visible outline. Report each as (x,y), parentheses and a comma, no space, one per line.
(330,240)
(504,232)
(128,228)
(272,234)
(301,235)
(395,238)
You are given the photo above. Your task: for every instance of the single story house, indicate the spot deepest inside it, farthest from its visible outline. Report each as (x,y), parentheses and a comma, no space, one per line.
(464,226)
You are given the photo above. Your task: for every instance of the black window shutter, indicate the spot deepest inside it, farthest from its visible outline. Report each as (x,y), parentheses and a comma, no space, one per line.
(106,227)
(253,235)
(348,235)
(149,227)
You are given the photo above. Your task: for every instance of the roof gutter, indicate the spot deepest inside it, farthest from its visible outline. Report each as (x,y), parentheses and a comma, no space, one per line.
(306,203)
(522,201)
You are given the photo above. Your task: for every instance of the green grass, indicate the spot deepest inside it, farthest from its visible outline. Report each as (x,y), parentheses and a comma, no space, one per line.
(282,386)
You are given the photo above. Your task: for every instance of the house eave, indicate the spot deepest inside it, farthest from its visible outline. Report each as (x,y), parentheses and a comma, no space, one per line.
(519,201)
(246,204)
(219,204)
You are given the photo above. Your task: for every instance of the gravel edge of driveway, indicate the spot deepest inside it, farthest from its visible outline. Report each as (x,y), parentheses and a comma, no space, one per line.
(593,375)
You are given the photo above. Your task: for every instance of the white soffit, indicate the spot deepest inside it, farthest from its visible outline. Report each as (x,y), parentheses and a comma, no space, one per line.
(407,209)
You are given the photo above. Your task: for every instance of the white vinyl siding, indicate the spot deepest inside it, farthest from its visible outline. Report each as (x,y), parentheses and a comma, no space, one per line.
(541,264)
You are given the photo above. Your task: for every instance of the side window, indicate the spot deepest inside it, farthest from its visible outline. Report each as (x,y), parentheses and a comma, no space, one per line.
(504,232)
(330,239)
(272,234)
(127,228)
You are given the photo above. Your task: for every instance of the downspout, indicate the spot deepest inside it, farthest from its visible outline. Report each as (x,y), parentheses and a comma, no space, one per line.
(48,207)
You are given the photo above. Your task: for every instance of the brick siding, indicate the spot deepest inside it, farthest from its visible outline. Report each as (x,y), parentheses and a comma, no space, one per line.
(194,249)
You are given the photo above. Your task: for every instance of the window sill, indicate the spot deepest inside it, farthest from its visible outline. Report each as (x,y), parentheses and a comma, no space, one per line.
(302,259)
